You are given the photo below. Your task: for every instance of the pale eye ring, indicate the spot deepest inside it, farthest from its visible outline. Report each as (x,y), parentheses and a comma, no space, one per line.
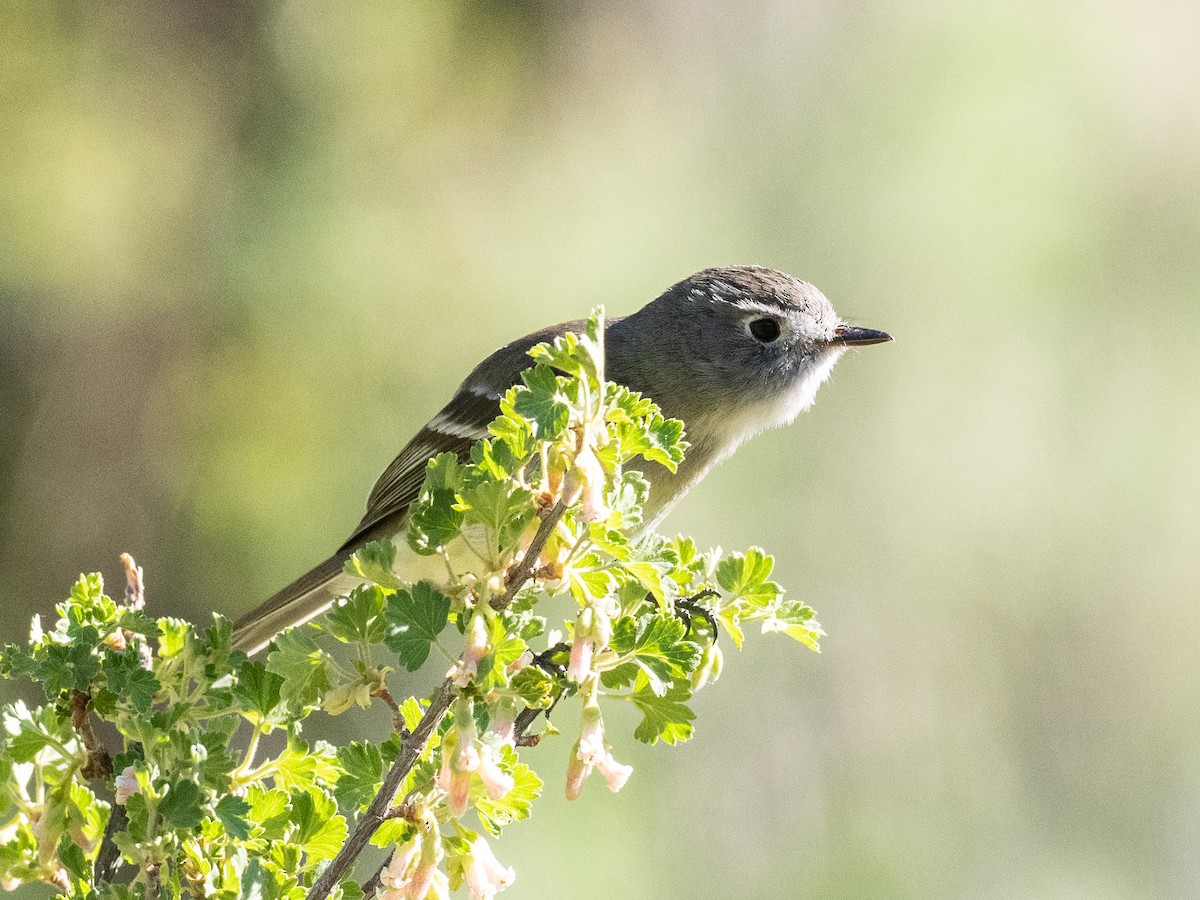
(765,330)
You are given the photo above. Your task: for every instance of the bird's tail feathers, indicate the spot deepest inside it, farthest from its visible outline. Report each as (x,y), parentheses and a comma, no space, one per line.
(305,598)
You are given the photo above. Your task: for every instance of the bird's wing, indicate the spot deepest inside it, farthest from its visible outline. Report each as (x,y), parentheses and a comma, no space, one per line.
(462,422)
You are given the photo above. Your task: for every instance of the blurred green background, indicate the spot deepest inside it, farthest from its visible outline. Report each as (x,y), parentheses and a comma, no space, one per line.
(230,235)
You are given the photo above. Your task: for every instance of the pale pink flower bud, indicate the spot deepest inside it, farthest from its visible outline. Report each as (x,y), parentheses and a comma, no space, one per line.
(577,771)
(591,476)
(460,757)
(580,665)
(423,876)
(615,773)
(484,875)
(395,877)
(591,736)
(467,667)
(127,785)
(496,781)
(503,720)
(582,647)
(456,782)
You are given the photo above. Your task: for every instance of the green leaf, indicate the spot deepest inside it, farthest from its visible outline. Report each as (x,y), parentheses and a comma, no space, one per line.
(182,806)
(666,718)
(374,562)
(729,617)
(497,458)
(359,617)
(501,507)
(87,590)
(657,648)
(232,812)
(363,764)
(320,831)
(268,810)
(795,619)
(527,787)
(575,353)
(31,731)
(534,686)
(301,767)
(301,665)
(415,618)
(129,680)
(412,711)
(638,428)
(543,402)
(433,520)
(744,576)
(259,690)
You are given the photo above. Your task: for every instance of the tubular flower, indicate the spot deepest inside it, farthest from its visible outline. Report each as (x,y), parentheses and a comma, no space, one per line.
(484,875)
(496,781)
(590,474)
(460,757)
(464,671)
(127,785)
(593,631)
(503,719)
(591,751)
(394,878)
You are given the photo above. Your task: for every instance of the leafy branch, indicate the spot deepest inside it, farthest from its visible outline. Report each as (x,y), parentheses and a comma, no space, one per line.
(188,802)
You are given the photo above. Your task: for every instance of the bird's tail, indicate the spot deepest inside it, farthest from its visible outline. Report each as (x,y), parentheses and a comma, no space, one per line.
(305,598)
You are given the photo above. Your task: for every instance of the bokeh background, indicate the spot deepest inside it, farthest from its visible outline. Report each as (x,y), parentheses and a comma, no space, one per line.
(232,234)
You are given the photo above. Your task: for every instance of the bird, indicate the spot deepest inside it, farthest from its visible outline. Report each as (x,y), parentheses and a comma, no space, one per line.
(732,351)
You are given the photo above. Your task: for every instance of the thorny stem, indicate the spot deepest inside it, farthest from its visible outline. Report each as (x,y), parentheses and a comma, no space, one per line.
(414,743)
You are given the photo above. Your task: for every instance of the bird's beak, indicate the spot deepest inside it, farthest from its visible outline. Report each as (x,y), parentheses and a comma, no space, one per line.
(852,335)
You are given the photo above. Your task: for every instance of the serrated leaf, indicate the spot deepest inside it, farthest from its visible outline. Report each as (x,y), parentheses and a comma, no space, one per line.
(129,680)
(320,831)
(363,764)
(543,402)
(182,805)
(502,508)
(655,645)
(744,576)
(301,665)
(433,520)
(259,690)
(374,562)
(795,619)
(413,712)
(667,718)
(232,812)
(415,618)
(359,617)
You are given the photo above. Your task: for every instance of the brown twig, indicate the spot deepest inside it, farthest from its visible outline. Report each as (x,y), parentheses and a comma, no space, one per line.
(109,857)
(99,763)
(518,576)
(375,882)
(526,718)
(397,716)
(380,807)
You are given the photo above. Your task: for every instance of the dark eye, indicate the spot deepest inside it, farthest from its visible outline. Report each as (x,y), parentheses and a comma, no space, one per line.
(765,330)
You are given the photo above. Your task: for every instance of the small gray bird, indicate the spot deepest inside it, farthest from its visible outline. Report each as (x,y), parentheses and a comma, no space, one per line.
(730,351)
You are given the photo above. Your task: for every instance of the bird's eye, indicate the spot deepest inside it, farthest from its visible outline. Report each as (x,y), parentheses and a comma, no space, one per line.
(765,330)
